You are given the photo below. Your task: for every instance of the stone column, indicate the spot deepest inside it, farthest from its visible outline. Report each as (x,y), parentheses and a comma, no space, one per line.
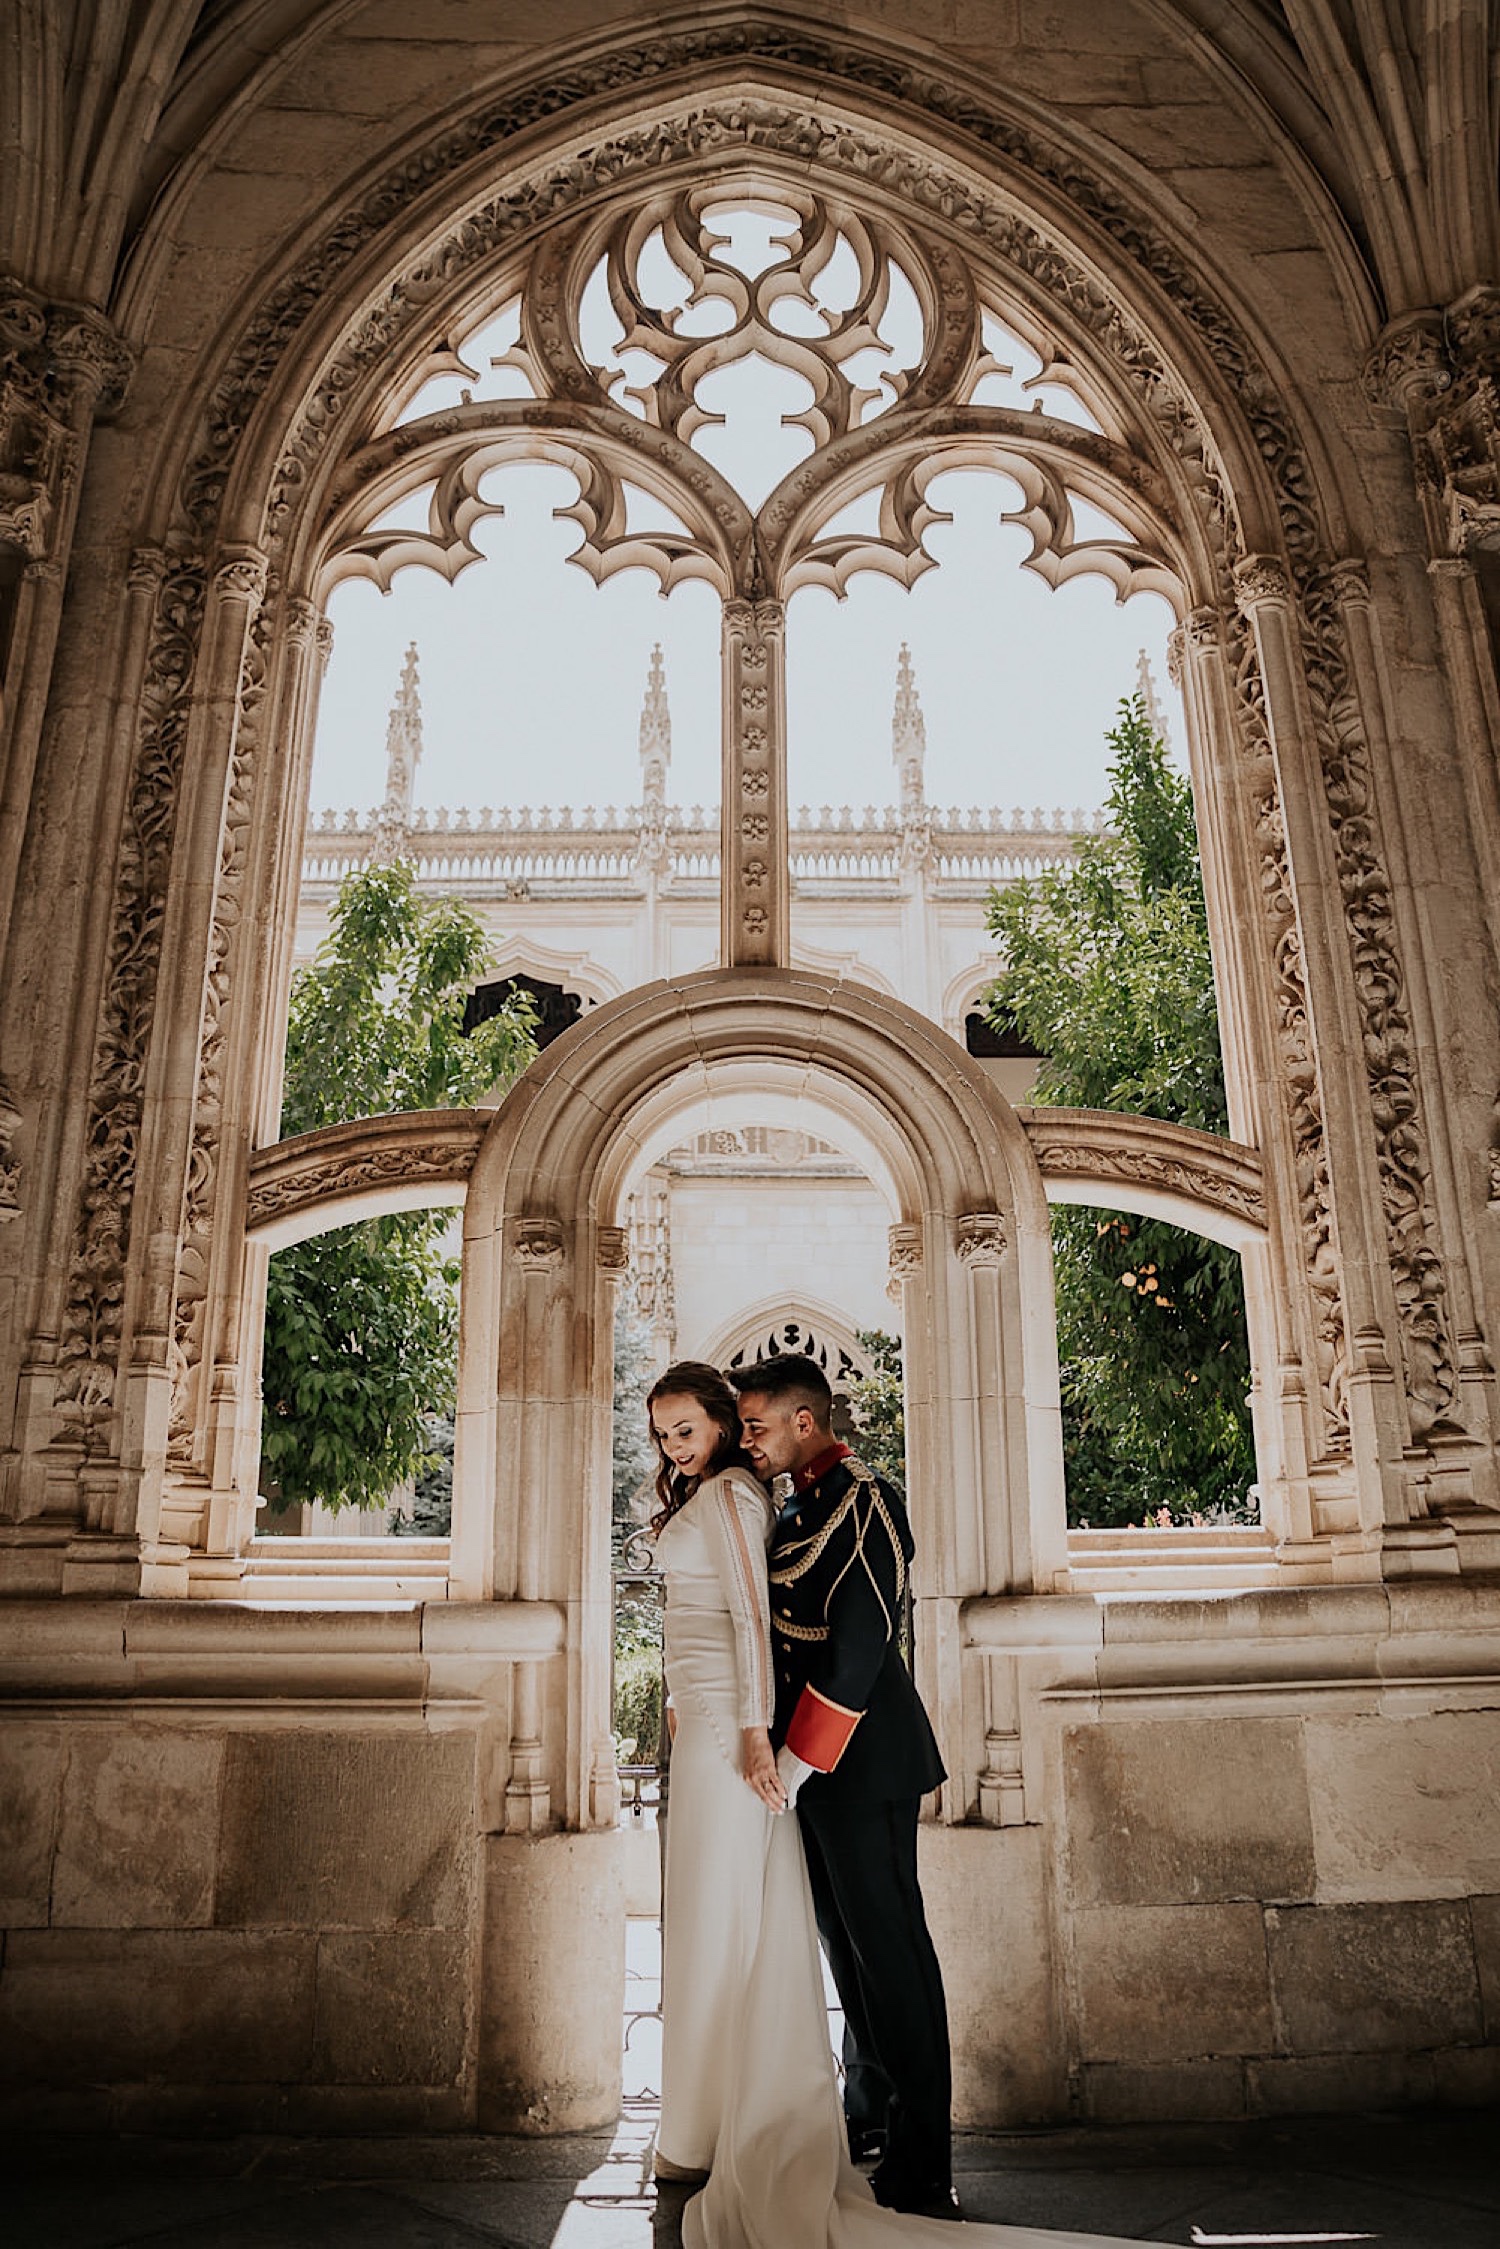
(754,874)
(1293,1311)
(1348,961)
(125,1493)
(220,1306)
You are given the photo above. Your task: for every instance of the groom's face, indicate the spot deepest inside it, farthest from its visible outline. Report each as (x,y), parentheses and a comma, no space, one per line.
(779,1438)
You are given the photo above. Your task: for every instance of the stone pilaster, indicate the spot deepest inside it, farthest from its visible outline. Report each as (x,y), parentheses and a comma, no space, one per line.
(755,876)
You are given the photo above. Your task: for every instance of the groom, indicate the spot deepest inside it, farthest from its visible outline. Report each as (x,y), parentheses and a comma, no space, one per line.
(857,1756)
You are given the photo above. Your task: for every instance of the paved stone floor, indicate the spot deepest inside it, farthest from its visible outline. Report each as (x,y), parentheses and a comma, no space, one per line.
(1426,2182)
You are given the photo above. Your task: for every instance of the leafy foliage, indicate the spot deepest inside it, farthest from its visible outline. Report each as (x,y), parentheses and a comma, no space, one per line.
(878,1403)
(362,1323)
(1108,972)
(639,1690)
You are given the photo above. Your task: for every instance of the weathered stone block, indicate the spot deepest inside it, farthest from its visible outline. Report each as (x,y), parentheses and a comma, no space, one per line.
(1159,1983)
(1136,2093)
(185,2006)
(1184,1812)
(138,1837)
(32,1759)
(1347,2084)
(1484,1920)
(553,1983)
(337,1830)
(1374,1978)
(392,2009)
(1403,1806)
(985,1891)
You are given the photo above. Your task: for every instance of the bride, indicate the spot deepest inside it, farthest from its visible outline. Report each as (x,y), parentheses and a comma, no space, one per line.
(750,2104)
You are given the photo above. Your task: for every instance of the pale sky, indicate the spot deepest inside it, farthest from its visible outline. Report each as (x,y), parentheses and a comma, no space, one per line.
(532,677)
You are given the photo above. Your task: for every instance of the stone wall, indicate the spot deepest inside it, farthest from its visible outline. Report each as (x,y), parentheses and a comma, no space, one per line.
(1257,1869)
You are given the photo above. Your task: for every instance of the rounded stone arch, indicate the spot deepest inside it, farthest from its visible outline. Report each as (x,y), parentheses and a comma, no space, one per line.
(543,1244)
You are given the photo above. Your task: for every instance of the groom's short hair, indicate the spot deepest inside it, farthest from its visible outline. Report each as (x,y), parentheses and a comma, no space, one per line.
(792,1380)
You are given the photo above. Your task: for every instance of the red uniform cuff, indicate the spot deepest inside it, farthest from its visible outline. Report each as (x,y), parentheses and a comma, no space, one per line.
(820,1730)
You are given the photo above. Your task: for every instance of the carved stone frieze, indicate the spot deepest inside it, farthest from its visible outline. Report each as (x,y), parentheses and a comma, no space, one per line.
(285,1190)
(94,1311)
(1209,1184)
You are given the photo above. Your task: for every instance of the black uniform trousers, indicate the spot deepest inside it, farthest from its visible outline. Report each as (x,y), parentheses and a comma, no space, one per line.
(862,1865)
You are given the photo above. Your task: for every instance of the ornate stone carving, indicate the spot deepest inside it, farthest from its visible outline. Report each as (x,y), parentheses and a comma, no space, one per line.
(201,1196)
(96,1295)
(1380,991)
(1206,1183)
(905,1258)
(10,1169)
(60,366)
(1258,578)
(980,1238)
(1302,1092)
(346,1172)
(613,1249)
(537,1244)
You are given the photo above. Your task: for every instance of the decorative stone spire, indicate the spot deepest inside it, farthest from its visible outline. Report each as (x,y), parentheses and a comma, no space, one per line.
(403,750)
(656,732)
(1146,688)
(908,735)
(656,760)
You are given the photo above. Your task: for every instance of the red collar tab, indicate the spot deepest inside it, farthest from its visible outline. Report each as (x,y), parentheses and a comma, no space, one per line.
(828,1458)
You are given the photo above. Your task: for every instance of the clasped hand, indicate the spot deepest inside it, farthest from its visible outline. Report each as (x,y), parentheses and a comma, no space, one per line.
(758,1764)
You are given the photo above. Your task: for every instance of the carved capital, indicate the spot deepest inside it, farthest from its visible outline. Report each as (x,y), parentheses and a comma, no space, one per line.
(905,1254)
(1409,362)
(302,619)
(980,1238)
(1459,461)
(148,567)
(1260,579)
(1472,325)
(613,1250)
(242,576)
(87,348)
(538,1244)
(1349,583)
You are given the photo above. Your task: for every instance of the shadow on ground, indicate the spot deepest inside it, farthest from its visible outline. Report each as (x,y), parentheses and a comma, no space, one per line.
(1429,2181)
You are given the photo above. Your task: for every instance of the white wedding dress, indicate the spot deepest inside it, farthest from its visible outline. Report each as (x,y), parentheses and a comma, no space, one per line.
(749,2091)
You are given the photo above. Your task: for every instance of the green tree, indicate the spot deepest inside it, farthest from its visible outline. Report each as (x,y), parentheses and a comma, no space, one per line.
(362,1322)
(1108,973)
(877,1401)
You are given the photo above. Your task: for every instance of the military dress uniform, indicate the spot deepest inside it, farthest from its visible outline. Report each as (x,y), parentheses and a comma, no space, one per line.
(838,1559)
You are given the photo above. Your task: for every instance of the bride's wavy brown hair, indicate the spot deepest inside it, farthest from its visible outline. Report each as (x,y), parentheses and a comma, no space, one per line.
(695,1379)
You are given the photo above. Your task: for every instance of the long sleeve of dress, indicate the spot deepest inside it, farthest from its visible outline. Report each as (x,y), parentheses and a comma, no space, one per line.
(737,1523)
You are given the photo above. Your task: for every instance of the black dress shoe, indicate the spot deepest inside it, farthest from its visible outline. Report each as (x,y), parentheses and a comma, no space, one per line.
(866,2143)
(918,2198)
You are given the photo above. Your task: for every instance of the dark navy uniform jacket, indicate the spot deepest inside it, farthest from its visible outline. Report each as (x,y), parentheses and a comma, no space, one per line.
(845,1703)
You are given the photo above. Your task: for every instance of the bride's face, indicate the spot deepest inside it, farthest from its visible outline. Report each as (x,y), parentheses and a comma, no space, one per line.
(687,1433)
